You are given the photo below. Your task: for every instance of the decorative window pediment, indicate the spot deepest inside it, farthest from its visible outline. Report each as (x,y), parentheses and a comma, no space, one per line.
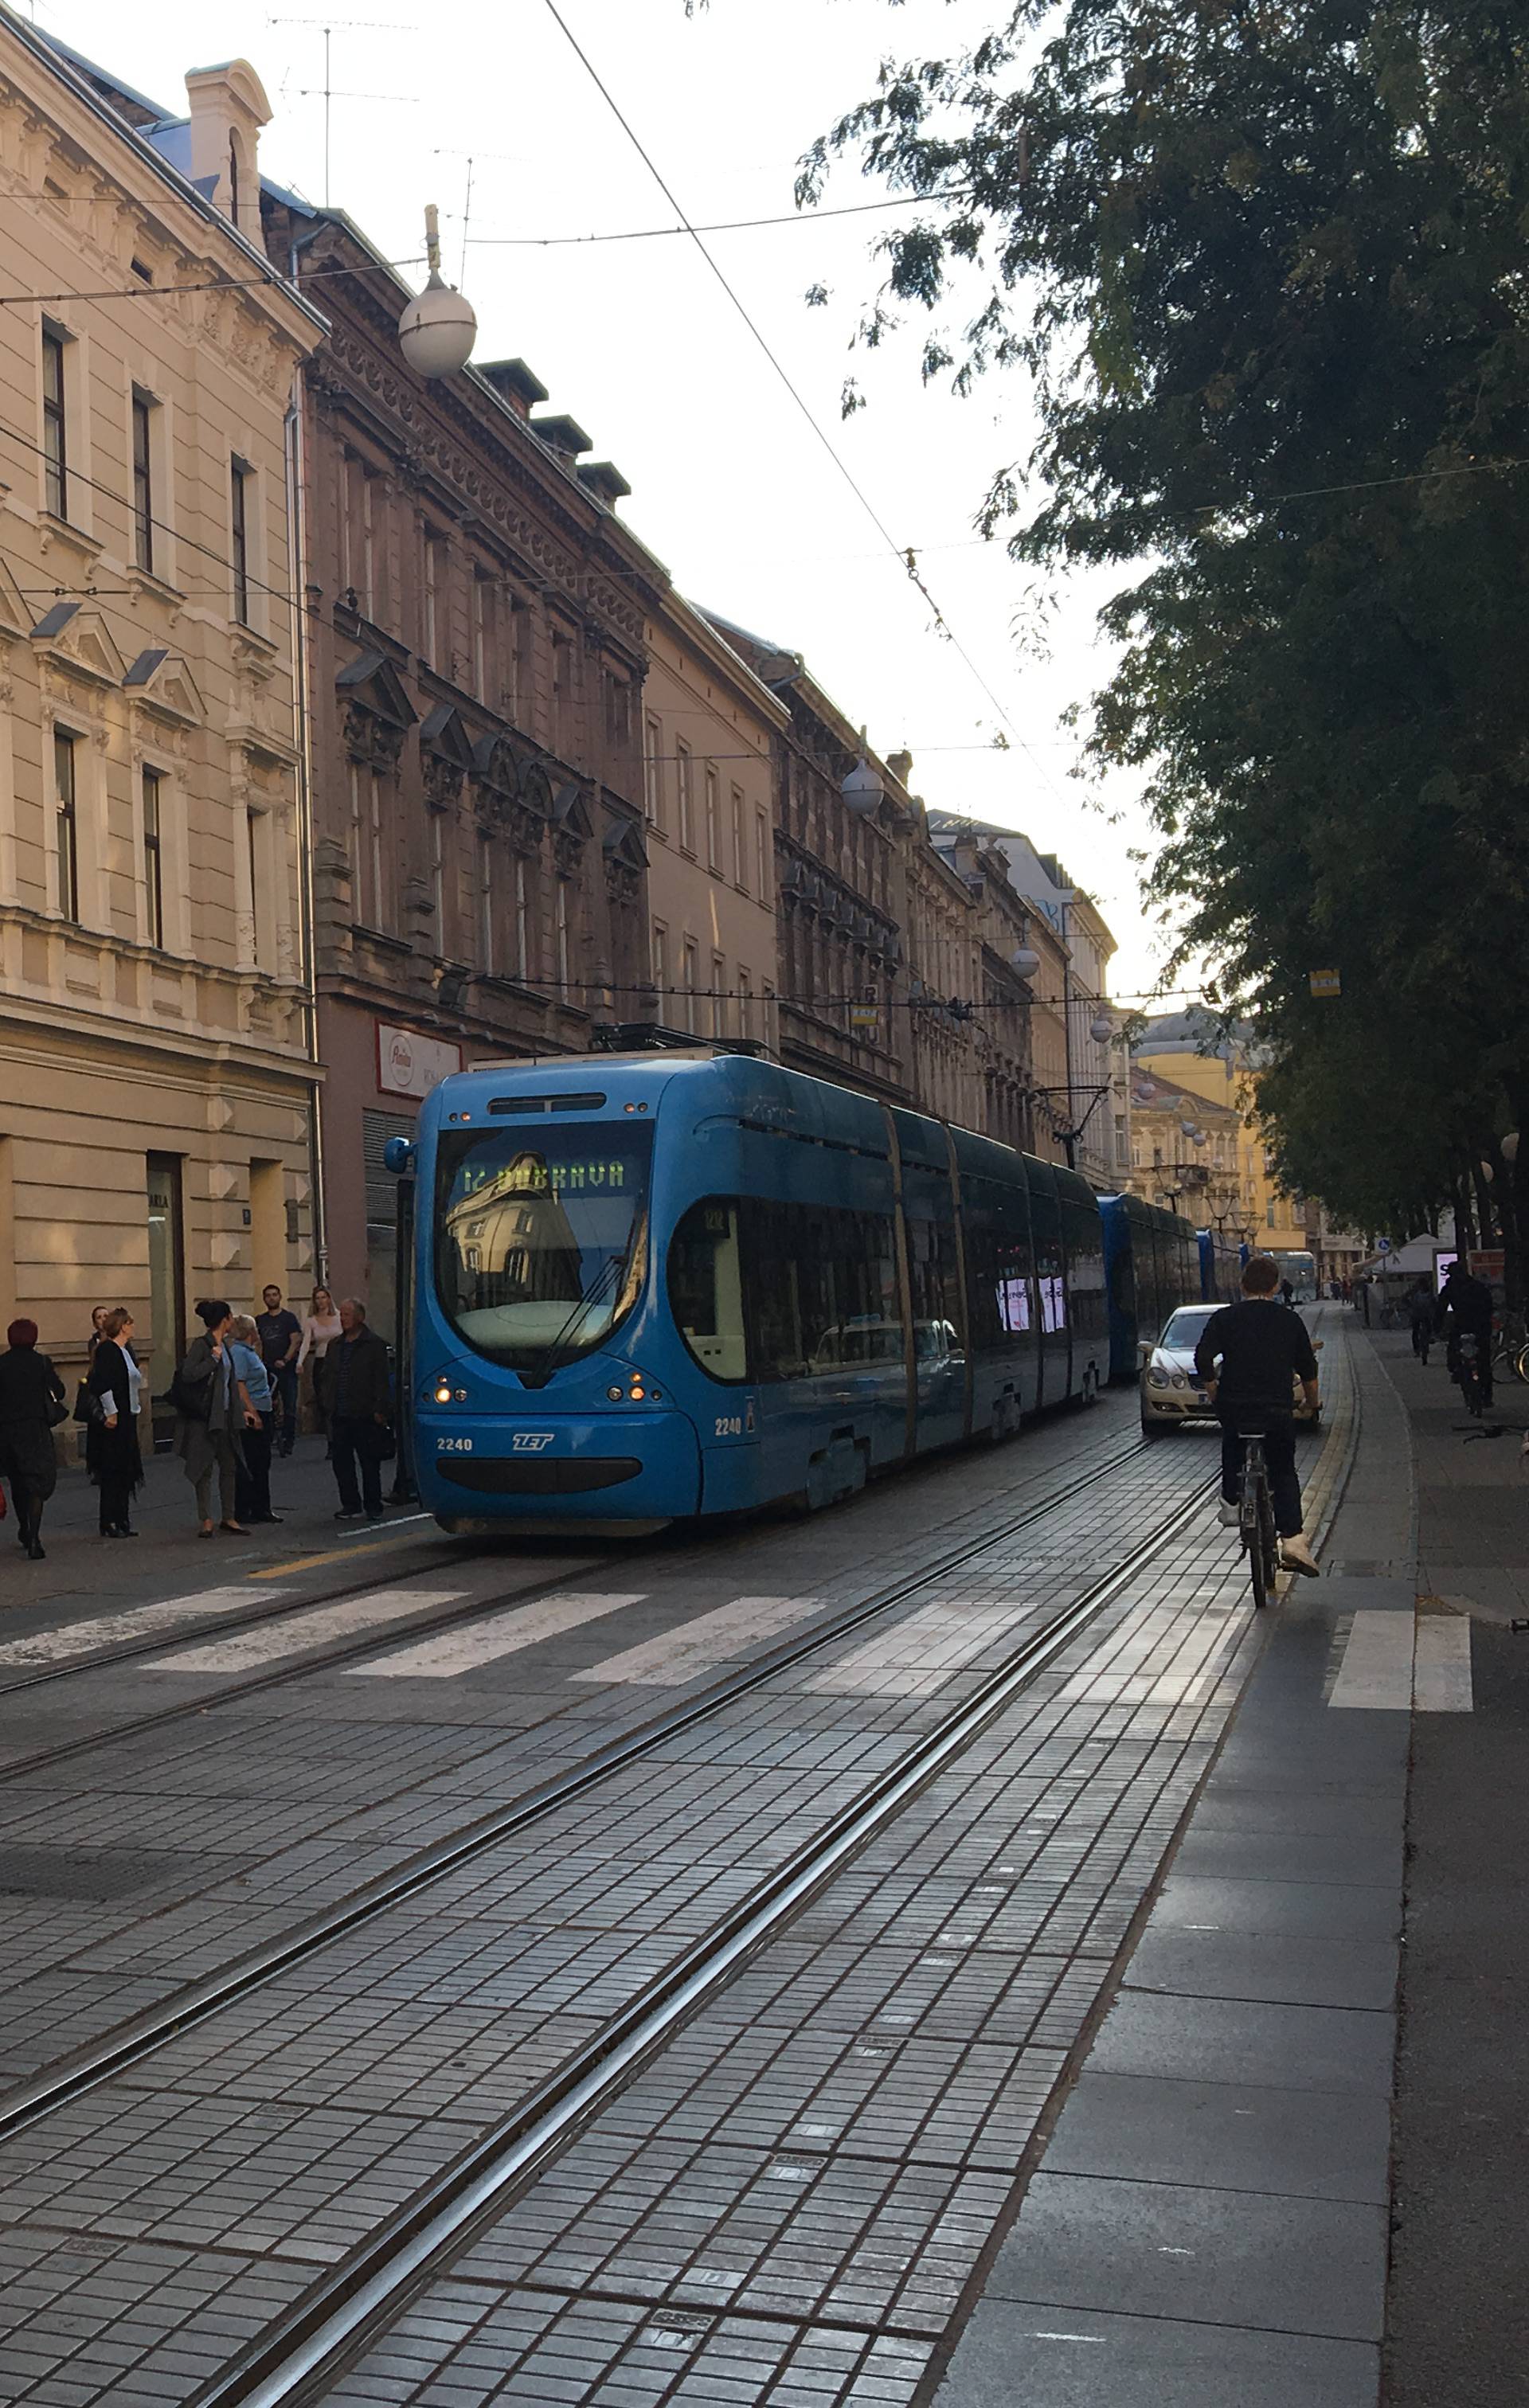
(78,638)
(445,754)
(163,681)
(573,825)
(626,858)
(376,711)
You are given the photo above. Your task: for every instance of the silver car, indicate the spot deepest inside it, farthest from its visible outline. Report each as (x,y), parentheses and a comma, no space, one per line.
(1171,1392)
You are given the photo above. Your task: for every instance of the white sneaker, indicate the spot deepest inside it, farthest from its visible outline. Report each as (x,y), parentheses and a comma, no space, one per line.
(1296,1557)
(1228,1515)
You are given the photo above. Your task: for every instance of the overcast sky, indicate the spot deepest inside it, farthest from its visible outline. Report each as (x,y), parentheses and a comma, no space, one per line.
(638,342)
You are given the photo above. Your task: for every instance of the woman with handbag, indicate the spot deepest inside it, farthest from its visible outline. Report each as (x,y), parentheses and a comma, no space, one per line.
(113,1387)
(32,1405)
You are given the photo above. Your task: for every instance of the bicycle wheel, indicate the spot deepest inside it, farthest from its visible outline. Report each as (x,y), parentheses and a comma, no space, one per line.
(1521,1363)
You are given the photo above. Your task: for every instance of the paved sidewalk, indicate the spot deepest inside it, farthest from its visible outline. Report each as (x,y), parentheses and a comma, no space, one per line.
(85,1569)
(1290,2173)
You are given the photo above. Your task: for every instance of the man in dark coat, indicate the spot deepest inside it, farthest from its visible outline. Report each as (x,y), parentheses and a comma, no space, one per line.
(353,1384)
(30,1390)
(1465,1307)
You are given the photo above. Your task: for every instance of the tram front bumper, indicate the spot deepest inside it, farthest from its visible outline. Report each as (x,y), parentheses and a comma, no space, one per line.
(557,1470)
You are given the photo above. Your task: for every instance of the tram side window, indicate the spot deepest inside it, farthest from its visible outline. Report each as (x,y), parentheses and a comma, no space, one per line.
(983,1308)
(706,1286)
(821,1290)
(933,1288)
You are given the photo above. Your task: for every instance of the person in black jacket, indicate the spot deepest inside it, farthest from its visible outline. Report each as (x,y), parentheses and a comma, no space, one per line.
(354,1390)
(1465,1305)
(32,1403)
(1261,1353)
(112,1455)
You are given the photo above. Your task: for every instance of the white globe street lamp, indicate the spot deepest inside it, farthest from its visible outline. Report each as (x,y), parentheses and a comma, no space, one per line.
(438,331)
(1102,1028)
(1025,960)
(863,790)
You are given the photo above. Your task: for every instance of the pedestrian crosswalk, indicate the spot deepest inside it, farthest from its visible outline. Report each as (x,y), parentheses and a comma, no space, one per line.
(677,1656)
(919,1653)
(473,1644)
(130,1623)
(297,1634)
(1395,1661)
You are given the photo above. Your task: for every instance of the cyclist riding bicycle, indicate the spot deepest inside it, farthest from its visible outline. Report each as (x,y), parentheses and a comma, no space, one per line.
(1262,1354)
(1465,1308)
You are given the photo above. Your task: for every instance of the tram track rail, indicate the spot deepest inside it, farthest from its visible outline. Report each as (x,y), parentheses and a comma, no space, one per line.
(347,2309)
(429,1622)
(130,2042)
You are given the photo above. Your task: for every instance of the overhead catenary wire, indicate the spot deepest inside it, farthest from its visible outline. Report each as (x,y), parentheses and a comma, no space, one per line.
(900,551)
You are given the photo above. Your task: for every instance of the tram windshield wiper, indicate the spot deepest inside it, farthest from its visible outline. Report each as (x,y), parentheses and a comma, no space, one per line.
(545,1363)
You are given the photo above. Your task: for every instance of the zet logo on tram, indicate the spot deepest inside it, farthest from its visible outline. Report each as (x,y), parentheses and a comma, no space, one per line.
(530,1442)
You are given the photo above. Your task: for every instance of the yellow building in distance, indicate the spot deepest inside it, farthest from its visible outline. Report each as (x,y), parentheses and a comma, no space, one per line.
(1187,1052)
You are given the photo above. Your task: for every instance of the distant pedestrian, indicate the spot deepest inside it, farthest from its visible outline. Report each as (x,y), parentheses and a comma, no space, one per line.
(281,1337)
(112,1455)
(1420,1304)
(32,1405)
(213,1412)
(252,1481)
(320,1329)
(354,1391)
(1287,1292)
(99,1314)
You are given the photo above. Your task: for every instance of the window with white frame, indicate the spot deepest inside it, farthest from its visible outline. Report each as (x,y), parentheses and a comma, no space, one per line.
(685,784)
(746,1002)
(65,821)
(55,432)
(762,856)
(565,966)
(714,818)
(144,407)
(689,983)
(151,793)
(485,904)
(652,770)
(661,967)
(241,503)
(522,919)
(740,858)
(720,1013)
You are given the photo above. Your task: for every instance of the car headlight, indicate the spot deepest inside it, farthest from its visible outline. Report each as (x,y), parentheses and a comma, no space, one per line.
(1156,1376)
(1180,1380)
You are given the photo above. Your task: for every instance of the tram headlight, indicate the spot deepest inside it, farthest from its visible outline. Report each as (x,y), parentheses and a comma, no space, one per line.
(443,1392)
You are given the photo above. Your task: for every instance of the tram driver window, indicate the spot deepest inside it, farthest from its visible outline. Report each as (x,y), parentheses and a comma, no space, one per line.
(705,1287)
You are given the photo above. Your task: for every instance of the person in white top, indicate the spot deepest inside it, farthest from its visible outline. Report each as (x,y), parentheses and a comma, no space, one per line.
(321,1328)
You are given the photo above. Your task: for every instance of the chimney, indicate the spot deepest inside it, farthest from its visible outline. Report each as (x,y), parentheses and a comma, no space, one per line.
(514,383)
(228,107)
(901,766)
(563,435)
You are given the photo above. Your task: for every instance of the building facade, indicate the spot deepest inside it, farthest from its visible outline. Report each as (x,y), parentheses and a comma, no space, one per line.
(710,729)
(1187,1155)
(155,1023)
(475,658)
(1194,1052)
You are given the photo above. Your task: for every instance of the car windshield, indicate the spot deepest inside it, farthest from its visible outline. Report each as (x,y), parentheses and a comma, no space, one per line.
(1185,1331)
(540,1239)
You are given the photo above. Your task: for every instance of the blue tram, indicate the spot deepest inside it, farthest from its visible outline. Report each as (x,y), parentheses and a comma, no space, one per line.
(1153,1263)
(1221,1267)
(659,1286)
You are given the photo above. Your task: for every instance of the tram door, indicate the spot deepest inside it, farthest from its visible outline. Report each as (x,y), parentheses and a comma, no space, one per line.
(1051,1283)
(934,1281)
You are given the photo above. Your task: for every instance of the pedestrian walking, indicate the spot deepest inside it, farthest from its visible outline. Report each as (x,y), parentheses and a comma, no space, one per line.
(212,1414)
(1420,1312)
(279,1336)
(320,1329)
(113,1458)
(252,1481)
(32,1405)
(354,1391)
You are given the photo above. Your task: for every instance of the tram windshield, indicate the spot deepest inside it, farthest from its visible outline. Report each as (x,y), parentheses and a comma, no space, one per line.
(540,1239)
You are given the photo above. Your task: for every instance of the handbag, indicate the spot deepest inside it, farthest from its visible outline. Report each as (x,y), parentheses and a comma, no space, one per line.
(87,1405)
(191,1402)
(58,1410)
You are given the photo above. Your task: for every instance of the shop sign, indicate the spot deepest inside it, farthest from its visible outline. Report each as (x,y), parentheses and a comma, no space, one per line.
(411,1065)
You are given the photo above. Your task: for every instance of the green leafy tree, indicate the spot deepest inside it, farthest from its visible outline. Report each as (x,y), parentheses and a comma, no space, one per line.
(1263,267)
